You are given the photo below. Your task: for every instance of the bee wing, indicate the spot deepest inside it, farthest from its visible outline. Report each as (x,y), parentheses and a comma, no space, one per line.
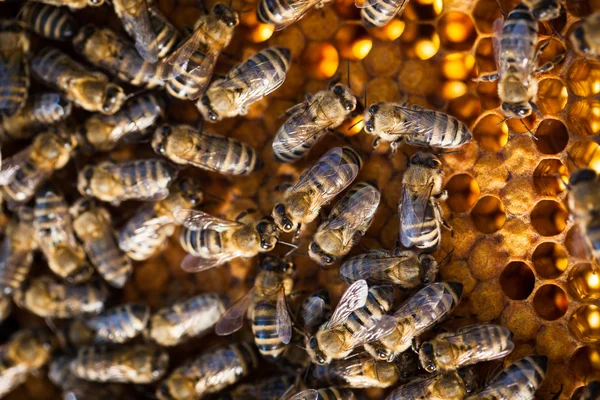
(313,310)
(177,62)
(310,394)
(304,128)
(414,306)
(12,165)
(383,327)
(198,220)
(419,388)
(466,340)
(417,122)
(233,319)
(12,68)
(150,227)
(353,298)
(136,21)
(191,263)
(413,212)
(299,8)
(371,266)
(284,322)
(496,35)
(382,4)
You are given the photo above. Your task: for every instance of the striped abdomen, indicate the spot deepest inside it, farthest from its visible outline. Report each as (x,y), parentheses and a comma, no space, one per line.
(518,39)
(112,264)
(335,394)
(57,23)
(592,230)
(436,129)
(192,82)
(49,108)
(140,240)
(15,265)
(120,323)
(264,328)
(282,12)
(424,233)
(380,12)
(203,243)
(379,302)
(434,302)
(52,66)
(143,178)
(25,182)
(15,86)
(226,156)
(167,35)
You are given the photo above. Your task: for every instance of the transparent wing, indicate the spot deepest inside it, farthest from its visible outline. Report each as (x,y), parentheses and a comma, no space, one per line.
(220,147)
(299,8)
(416,306)
(417,122)
(496,35)
(419,388)
(383,327)
(13,164)
(303,128)
(353,298)
(413,212)
(310,394)
(191,263)
(468,340)
(371,265)
(233,319)
(198,220)
(136,21)
(151,226)
(312,311)
(382,4)
(177,62)
(284,322)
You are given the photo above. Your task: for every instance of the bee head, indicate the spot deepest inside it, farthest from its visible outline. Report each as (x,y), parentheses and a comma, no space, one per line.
(428,268)
(319,256)
(277,264)
(113,99)
(80,40)
(549,9)
(205,107)
(160,137)
(426,160)
(269,234)
(225,14)
(369,117)
(315,351)
(582,175)
(345,96)
(190,191)
(282,219)
(84,179)
(517,110)
(427,357)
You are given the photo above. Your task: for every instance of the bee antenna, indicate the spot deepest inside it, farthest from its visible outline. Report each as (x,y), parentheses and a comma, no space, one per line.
(441,153)
(447,256)
(528,130)
(130,95)
(502,121)
(356,123)
(213,196)
(306,372)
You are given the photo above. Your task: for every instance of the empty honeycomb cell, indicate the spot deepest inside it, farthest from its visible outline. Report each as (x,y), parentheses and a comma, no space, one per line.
(466,108)
(550,260)
(521,320)
(485,257)
(583,78)
(320,60)
(458,66)
(261,32)
(353,42)
(484,56)
(491,132)
(383,60)
(584,282)
(423,10)
(550,302)
(382,89)
(585,323)
(420,41)
(552,96)
(549,177)
(555,342)
(555,48)
(484,15)
(585,362)
(517,280)
(549,217)
(584,117)
(390,32)
(552,136)
(457,32)
(487,300)
(488,214)
(584,153)
(320,24)
(463,192)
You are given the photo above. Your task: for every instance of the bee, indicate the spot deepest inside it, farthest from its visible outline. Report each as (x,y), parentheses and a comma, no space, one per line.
(209,373)
(73,4)
(47,297)
(183,145)
(405,268)
(585,38)
(417,126)
(167,36)
(136,22)
(451,385)
(192,64)
(103,132)
(186,319)
(245,84)
(519,380)
(54,231)
(418,314)
(323,394)
(359,318)
(23,173)
(5,308)
(56,23)
(591,391)
(14,54)
(314,311)
(126,364)
(40,111)
(377,13)
(310,120)
(116,55)
(469,345)
(346,224)
(284,14)
(317,186)
(16,254)
(419,206)
(271,322)
(544,10)
(90,90)
(514,41)
(149,228)
(583,190)
(145,180)
(265,389)
(212,241)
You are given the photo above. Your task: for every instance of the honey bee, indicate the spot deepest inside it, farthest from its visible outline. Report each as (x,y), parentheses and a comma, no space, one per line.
(16,254)
(271,322)
(585,38)
(245,84)
(452,385)
(56,23)
(184,145)
(346,224)
(419,206)
(583,190)
(265,389)
(73,4)
(116,55)
(310,120)
(194,60)
(90,90)
(136,22)
(519,380)
(284,14)
(47,297)
(323,394)
(149,228)
(314,311)
(54,231)
(418,314)
(514,41)
(417,126)
(126,364)
(469,345)
(212,241)
(104,132)
(167,36)
(591,391)
(376,13)
(544,10)
(405,268)
(42,110)
(14,67)
(145,180)
(23,173)
(209,373)
(186,319)
(6,307)
(359,318)
(318,185)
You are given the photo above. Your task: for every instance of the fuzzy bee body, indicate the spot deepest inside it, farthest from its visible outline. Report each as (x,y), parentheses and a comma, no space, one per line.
(14,53)
(119,324)
(585,38)
(16,254)
(453,385)
(544,10)
(57,23)
(167,36)
(189,85)
(377,13)
(284,13)
(73,4)
(583,191)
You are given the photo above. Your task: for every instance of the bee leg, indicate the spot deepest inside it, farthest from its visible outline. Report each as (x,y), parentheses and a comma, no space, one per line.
(549,65)
(394,146)
(487,77)
(244,213)
(557,394)
(297,233)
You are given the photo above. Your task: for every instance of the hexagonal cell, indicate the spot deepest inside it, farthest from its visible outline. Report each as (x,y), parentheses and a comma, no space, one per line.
(583,78)
(463,192)
(584,153)
(392,31)
(488,215)
(585,323)
(584,117)
(550,302)
(585,362)
(584,282)
(552,96)
(549,217)
(550,260)
(554,25)
(552,136)
(420,41)
(555,48)
(466,108)
(517,280)
(353,42)
(423,10)
(458,66)
(484,56)
(453,89)
(484,14)
(491,132)
(320,60)
(457,32)
(549,177)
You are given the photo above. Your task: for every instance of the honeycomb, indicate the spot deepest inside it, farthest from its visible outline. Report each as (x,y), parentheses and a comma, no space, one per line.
(520,257)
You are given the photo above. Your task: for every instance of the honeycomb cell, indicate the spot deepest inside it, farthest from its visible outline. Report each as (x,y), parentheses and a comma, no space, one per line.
(466,108)
(382,89)
(552,96)
(583,78)
(584,117)
(585,323)
(517,280)
(423,10)
(383,60)
(292,38)
(420,41)
(555,342)
(491,132)
(584,153)
(484,15)
(555,48)
(458,66)
(419,78)
(550,177)
(581,8)
(550,260)
(392,31)
(463,192)
(550,302)
(487,300)
(488,215)
(585,362)
(320,24)
(353,42)
(549,217)
(484,56)
(457,32)
(584,282)
(453,89)
(552,136)
(347,9)
(519,317)
(320,60)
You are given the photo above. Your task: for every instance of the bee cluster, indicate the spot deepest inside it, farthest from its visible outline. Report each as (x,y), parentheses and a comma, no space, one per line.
(136,145)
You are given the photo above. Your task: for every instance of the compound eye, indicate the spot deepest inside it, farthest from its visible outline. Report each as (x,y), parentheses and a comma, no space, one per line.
(314,248)
(313,343)
(329,260)
(373,109)
(212,116)
(338,90)
(280,209)
(89,173)
(205,101)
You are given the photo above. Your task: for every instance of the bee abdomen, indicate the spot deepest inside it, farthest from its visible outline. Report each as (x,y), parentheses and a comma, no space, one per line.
(51,22)
(147,177)
(13,272)
(141,247)
(334,394)
(287,152)
(166,34)
(50,63)
(49,108)
(111,263)
(200,242)
(379,301)
(191,82)
(239,159)
(13,94)
(264,327)
(274,11)
(18,190)
(379,13)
